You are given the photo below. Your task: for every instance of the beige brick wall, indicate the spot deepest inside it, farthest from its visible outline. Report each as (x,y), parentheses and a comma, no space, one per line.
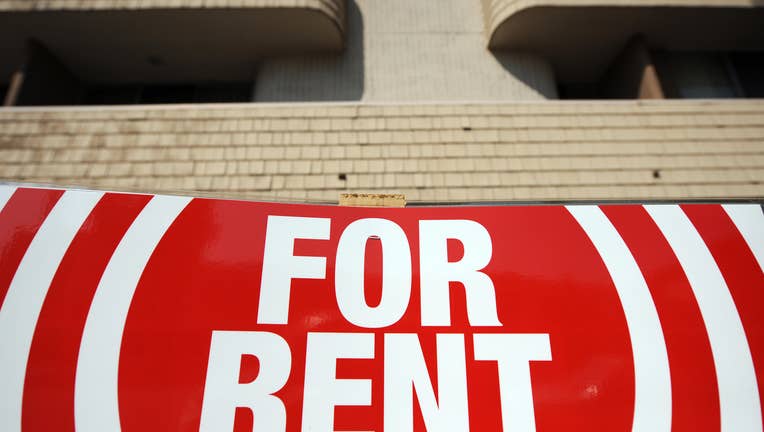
(430,152)
(409,50)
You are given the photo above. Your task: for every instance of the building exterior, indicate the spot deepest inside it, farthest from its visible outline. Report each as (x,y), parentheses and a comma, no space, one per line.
(442,100)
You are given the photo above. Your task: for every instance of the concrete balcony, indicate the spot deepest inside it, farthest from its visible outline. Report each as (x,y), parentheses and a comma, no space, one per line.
(581,37)
(333,9)
(120,41)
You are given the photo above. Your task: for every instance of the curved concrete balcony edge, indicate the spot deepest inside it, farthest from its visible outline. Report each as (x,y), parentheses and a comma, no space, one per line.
(333,10)
(123,41)
(498,12)
(579,37)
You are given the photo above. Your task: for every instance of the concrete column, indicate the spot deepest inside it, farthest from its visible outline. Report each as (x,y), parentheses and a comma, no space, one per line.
(632,75)
(43,79)
(17,80)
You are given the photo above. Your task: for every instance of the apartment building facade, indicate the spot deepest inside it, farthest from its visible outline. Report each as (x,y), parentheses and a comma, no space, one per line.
(442,100)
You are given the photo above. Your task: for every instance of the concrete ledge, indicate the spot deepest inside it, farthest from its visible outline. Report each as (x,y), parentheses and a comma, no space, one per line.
(496,12)
(179,40)
(580,37)
(455,152)
(333,10)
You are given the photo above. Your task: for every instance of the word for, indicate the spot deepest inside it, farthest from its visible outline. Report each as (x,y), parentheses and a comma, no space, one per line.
(280,266)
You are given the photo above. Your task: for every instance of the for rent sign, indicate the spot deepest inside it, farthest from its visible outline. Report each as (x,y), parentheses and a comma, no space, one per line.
(138,312)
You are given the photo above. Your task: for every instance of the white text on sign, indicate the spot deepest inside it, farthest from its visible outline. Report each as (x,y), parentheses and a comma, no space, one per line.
(405,371)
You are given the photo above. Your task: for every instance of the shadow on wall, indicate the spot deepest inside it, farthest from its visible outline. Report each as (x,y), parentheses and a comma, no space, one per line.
(335,77)
(531,70)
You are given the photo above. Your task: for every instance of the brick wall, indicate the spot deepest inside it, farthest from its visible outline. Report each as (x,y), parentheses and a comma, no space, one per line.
(409,50)
(443,152)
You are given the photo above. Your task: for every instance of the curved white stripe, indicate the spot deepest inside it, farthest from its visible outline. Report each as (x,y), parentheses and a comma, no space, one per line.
(96,405)
(5,194)
(26,294)
(652,378)
(738,391)
(749,220)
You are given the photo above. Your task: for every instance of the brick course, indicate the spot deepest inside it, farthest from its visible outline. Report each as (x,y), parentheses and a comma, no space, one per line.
(430,152)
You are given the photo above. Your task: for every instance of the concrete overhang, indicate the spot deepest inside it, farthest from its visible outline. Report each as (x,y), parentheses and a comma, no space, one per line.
(124,41)
(581,37)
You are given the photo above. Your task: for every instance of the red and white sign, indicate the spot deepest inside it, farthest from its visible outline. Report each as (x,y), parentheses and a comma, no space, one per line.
(140,313)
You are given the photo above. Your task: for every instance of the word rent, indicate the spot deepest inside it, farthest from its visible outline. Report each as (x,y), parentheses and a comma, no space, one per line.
(406,376)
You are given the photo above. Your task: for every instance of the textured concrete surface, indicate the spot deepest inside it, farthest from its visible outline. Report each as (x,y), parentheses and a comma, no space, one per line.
(404,50)
(432,152)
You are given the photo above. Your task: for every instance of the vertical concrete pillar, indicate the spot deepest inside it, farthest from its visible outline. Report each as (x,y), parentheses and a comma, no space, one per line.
(632,75)
(42,79)
(14,88)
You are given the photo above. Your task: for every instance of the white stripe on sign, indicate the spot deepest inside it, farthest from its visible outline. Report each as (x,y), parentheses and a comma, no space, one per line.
(652,378)
(749,220)
(738,391)
(26,294)
(5,194)
(96,405)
